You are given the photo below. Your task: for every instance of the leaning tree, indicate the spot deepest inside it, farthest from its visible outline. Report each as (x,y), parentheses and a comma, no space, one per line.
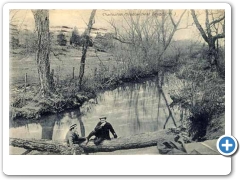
(86,43)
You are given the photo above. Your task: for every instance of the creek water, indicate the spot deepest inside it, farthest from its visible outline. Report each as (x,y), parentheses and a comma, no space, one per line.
(132,108)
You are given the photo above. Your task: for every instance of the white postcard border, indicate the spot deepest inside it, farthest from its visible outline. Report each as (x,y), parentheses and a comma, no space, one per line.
(114,164)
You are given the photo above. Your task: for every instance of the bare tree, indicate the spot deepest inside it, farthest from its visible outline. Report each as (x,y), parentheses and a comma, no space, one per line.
(43,49)
(85,46)
(148,35)
(168,26)
(214,30)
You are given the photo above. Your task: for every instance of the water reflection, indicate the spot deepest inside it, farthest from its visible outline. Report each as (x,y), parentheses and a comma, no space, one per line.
(133,108)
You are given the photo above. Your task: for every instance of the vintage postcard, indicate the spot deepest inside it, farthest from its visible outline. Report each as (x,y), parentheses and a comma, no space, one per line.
(113,81)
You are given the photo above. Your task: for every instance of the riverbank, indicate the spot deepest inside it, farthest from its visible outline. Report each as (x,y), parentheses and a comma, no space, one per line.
(34,108)
(29,105)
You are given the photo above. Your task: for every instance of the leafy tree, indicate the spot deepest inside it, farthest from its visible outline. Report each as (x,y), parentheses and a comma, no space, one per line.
(61,39)
(78,40)
(75,38)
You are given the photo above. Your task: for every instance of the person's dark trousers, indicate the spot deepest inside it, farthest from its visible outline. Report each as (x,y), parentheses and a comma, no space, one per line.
(93,133)
(79,140)
(98,141)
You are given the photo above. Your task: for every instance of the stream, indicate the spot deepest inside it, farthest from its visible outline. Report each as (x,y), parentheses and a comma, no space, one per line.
(132,108)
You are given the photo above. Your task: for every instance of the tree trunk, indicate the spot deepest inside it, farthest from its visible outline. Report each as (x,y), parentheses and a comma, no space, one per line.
(85,47)
(43,49)
(212,54)
(41,145)
(209,38)
(137,141)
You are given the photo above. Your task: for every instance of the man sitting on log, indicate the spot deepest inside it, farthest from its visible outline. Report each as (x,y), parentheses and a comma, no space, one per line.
(73,138)
(101,131)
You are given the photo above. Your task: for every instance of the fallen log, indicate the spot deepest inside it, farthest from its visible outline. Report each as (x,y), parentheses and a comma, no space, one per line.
(133,142)
(41,145)
(136,141)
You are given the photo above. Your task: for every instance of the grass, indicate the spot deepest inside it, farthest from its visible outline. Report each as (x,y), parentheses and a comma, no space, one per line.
(62,60)
(102,71)
(62,64)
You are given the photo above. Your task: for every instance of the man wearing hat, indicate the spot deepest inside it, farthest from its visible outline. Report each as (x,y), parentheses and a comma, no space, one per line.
(72,136)
(101,131)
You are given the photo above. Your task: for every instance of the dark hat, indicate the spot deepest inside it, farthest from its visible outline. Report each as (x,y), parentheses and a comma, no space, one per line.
(103,117)
(73,126)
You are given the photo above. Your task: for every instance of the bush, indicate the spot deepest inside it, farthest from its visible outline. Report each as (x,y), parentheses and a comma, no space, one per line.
(202,93)
(61,39)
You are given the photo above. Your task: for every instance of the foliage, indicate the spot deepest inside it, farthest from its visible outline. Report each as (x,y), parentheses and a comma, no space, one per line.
(203,94)
(103,42)
(75,38)
(14,42)
(78,40)
(61,39)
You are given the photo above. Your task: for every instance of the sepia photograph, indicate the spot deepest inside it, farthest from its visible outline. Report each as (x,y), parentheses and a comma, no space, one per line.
(116,81)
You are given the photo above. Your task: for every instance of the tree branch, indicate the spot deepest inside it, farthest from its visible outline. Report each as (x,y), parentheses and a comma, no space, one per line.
(217,20)
(218,36)
(13,14)
(199,26)
(122,41)
(208,25)
(180,18)
(170,14)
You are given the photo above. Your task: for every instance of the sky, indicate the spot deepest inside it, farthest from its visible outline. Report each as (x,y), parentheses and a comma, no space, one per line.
(79,18)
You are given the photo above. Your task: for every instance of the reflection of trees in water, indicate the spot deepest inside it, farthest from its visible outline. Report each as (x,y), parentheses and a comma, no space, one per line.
(47,127)
(81,124)
(74,116)
(169,111)
(158,94)
(160,84)
(48,123)
(137,124)
(100,97)
(130,101)
(47,130)
(145,97)
(27,127)
(132,96)
(144,105)
(21,122)
(59,117)
(159,106)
